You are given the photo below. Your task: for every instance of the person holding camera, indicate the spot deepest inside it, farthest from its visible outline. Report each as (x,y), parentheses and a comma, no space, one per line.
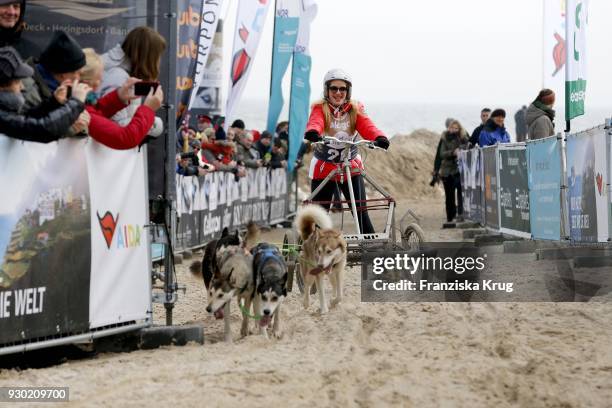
(104,130)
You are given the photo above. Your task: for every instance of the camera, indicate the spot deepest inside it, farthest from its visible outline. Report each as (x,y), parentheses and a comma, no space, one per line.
(235,170)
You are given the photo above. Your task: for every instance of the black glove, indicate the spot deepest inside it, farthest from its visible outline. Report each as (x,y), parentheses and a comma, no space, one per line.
(312,136)
(381,142)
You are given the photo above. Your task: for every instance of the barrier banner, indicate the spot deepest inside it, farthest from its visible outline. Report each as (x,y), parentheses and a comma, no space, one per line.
(587,172)
(470,165)
(491,189)
(514,191)
(71,225)
(545,175)
(208,204)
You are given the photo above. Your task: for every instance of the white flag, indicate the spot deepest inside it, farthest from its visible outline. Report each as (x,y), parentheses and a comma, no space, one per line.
(554,46)
(249,26)
(577,13)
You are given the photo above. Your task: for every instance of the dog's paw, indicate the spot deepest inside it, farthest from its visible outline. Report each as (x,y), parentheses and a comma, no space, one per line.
(278,334)
(244,331)
(306,304)
(324,310)
(335,302)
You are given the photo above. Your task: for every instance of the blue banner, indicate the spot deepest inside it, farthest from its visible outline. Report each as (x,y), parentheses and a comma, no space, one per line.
(300,101)
(545,188)
(285,35)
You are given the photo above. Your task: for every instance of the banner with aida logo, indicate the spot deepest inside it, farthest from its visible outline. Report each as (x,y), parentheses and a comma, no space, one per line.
(249,26)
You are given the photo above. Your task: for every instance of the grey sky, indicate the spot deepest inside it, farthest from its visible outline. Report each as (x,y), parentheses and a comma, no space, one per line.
(474,51)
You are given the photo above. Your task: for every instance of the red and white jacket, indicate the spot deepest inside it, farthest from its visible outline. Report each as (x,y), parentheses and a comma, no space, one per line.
(327,157)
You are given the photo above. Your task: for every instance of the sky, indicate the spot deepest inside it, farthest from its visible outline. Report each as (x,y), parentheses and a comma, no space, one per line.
(435,51)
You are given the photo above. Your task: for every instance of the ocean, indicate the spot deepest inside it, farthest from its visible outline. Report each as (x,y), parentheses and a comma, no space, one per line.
(403,118)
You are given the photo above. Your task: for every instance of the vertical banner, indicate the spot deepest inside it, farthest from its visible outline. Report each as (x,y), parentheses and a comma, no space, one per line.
(207,98)
(553,75)
(249,26)
(286,22)
(587,182)
(300,82)
(491,187)
(577,12)
(188,53)
(209,21)
(545,173)
(514,191)
(471,173)
(45,239)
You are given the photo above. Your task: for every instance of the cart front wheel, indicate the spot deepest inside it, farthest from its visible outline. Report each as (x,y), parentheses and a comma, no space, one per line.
(413,237)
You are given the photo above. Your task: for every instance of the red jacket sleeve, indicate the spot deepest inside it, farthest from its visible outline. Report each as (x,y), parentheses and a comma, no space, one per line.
(316,121)
(117,137)
(110,104)
(365,126)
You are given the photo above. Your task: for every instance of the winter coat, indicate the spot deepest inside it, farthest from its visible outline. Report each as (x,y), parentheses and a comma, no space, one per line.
(539,121)
(44,127)
(475,138)
(492,134)
(319,169)
(222,150)
(448,144)
(111,134)
(13,37)
(248,156)
(116,71)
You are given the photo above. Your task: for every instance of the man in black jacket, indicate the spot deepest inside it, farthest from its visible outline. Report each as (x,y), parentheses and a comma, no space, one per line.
(11,28)
(484,116)
(51,121)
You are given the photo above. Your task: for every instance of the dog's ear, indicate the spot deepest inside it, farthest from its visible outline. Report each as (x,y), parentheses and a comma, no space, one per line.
(229,275)
(225,232)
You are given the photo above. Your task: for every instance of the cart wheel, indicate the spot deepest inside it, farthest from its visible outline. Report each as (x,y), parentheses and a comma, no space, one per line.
(413,237)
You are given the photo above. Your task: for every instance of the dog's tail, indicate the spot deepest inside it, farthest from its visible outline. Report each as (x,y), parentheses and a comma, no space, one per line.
(310,217)
(252,236)
(196,269)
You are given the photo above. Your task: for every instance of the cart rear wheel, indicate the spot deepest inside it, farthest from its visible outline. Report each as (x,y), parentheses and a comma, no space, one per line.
(413,237)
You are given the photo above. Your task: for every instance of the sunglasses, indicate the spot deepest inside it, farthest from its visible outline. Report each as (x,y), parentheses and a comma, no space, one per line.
(335,89)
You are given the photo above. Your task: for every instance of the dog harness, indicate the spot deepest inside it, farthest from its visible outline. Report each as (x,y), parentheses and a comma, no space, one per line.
(264,252)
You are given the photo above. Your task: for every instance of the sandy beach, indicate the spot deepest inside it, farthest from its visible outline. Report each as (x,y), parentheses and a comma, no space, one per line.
(363,354)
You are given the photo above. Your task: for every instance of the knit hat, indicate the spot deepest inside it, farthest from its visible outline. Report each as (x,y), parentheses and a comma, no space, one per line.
(63,54)
(11,66)
(265,134)
(546,96)
(5,2)
(238,123)
(498,112)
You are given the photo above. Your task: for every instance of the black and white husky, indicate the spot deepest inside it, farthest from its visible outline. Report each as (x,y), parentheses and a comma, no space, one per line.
(270,275)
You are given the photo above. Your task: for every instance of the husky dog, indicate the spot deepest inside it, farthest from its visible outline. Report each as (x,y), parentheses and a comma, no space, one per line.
(323,253)
(227,270)
(270,274)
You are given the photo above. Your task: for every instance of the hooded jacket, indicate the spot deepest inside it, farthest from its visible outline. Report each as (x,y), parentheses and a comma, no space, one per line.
(12,37)
(45,127)
(539,121)
(116,71)
(492,134)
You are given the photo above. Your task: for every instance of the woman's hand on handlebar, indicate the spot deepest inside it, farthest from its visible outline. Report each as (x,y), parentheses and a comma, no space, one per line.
(312,136)
(381,142)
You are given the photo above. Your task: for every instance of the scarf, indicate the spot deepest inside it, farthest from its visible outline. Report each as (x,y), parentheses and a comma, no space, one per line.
(12,102)
(546,109)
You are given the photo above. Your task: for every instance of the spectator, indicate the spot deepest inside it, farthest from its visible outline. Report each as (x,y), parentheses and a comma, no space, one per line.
(282,127)
(204,122)
(484,117)
(245,153)
(494,131)
(139,56)
(521,124)
(540,115)
(451,142)
(238,126)
(277,159)
(263,145)
(12,13)
(59,65)
(106,131)
(52,122)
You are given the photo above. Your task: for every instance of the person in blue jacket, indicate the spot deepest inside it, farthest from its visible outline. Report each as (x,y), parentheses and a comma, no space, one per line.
(494,131)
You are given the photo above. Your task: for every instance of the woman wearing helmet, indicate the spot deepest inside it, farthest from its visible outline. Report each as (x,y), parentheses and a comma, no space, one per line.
(338,116)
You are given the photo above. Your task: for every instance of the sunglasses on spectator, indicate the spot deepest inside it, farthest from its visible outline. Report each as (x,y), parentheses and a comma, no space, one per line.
(335,89)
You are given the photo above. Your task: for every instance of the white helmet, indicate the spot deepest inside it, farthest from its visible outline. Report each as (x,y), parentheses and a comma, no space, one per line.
(334,74)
